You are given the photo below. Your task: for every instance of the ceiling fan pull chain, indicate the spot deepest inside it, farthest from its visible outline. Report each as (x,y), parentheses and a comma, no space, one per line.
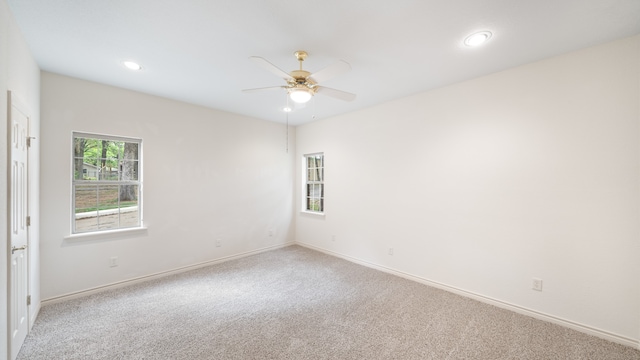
(313,115)
(287,120)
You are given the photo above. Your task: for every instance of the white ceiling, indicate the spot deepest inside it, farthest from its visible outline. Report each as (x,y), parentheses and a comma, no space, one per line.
(197,50)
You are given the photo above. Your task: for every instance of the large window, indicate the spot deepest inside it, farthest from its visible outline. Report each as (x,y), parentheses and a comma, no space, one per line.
(314,183)
(107,183)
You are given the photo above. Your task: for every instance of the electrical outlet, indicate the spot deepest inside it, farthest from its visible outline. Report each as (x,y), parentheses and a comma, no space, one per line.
(218,242)
(390,251)
(270,232)
(333,238)
(536,284)
(113,261)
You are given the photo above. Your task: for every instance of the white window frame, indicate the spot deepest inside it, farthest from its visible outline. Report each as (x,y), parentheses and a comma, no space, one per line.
(314,182)
(119,182)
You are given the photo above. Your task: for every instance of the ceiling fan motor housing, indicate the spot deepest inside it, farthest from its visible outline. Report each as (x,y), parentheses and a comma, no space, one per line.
(301,78)
(300,75)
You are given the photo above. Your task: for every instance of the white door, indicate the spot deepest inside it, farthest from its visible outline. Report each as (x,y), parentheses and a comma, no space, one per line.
(18,228)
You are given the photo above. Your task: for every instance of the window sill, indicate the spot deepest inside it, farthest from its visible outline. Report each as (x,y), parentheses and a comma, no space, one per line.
(97,235)
(312,213)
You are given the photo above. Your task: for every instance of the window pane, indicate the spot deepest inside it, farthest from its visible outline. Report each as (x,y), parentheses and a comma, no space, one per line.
(108,169)
(78,157)
(129,165)
(79,171)
(86,222)
(130,151)
(312,205)
(107,197)
(130,215)
(117,149)
(128,195)
(129,170)
(90,171)
(314,197)
(108,207)
(86,201)
(129,206)
(86,198)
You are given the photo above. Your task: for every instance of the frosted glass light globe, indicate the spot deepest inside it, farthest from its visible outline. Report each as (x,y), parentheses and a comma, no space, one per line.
(300,96)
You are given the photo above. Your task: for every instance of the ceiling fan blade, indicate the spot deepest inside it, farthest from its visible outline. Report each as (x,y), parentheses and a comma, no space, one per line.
(338,94)
(330,71)
(265,64)
(264,88)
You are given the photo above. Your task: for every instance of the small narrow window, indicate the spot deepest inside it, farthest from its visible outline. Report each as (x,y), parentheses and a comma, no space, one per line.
(314,183)
(107,181)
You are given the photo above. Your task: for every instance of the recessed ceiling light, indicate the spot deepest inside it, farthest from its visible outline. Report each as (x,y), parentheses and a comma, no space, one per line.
(132,65)
(477,39)
(286,109)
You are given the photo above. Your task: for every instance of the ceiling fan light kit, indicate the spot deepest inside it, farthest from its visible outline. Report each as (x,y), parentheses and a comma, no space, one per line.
(299,95)
(301,84)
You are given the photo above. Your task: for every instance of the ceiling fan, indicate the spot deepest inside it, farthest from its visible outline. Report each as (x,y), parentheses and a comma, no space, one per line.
(301,84)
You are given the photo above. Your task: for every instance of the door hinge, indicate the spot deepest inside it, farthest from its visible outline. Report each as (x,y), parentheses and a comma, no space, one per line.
(28,300)
(28,220)
(29,140)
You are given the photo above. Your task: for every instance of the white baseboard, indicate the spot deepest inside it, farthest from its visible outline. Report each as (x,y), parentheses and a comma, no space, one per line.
(487,300)
(158,275)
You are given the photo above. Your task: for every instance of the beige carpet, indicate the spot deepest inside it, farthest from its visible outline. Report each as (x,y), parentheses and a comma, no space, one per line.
(295,303)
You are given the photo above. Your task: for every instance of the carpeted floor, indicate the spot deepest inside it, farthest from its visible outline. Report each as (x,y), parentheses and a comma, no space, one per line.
(296,303)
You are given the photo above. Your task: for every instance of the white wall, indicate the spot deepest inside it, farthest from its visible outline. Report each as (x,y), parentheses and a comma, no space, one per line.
(486,184)
(207,175)
(20,74)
